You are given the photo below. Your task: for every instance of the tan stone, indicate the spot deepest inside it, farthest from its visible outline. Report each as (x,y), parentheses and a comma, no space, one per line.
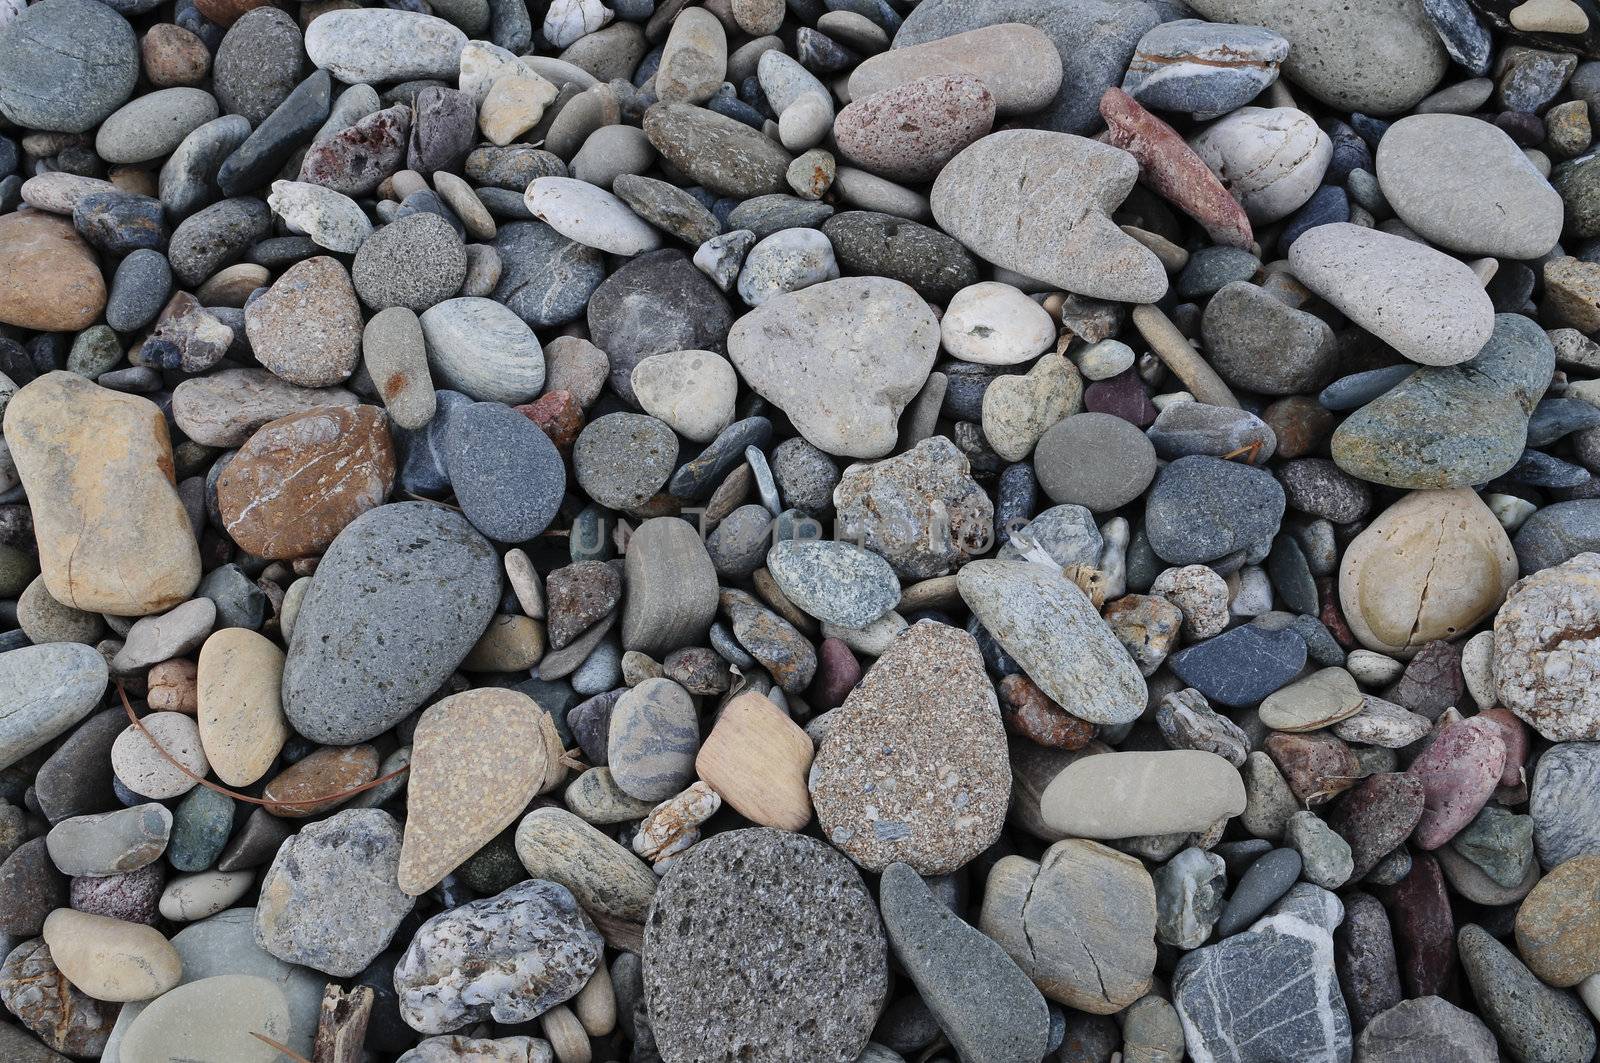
(111,959)
(324,779)
(97,466)
(510,643)
(757,759)
(307,327)
(49,278)
(299,480)
(477,759)
(514,105)
(1430,567)
(211,1019)
(1322,698)
(240,704)
(1558,925)
(1081,923)
(1129,794)
(606,879)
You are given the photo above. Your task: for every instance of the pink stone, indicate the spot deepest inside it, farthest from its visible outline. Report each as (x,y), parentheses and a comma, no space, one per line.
(1171,169)
(1514,733)
(838,672)
(1458,772)
(1123,396)
(909,132)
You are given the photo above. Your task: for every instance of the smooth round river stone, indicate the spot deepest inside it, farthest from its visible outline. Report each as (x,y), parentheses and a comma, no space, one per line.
(608,880)
(864,780)
(777,893)
(508,476)
(396,604)
(842,359)
(481,348)
(1203,508)
(672,587)
(1430,567)
(111,959)
(1270,158)
(908,132)
(68,64)
(1054,221)
(1016,62)
(97,465)
(367,45)
(307,327)
(838,583)
(1466,186)
(240,704)
(725,155)
(1125,795)
(1426,305)
(52,280)
(654,736)
(46,690)
(1057,636)
(211,1019)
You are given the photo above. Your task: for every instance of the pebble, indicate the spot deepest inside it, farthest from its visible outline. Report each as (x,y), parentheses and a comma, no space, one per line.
(1561,793)
(995,324)
(1428,1028)
(1242,666)
(1257,342)
(984,1003)
(371,45)
(306,329)
(724,155)
(1202,508)
(482,349)
(414,262)
(60,1015)
(1531,1018)
(70,65)
(786,261)
(110,959)
(1103,486)
(1427,306)
(332,219)
(1203,68)
(1081,180)
(691,391)
(607,879)
(110,843)
(436,580)
(510,957)
(879,328)
(1143,789)
(1270,158)
(867,779)
(48,690)
(511,499)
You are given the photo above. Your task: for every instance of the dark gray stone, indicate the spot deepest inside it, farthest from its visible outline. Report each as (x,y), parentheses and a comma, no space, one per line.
(188,177)
(1256,342)
(414,262)
(1556,534)
(545,278)
(292,123)
(139,290)
(1534,1020)
(217,236)
(698,477)
(258,63)
(656,303)
(1242,666)
(1203,508)
(67,65)
(882,245)
(1259,888)
(508,477)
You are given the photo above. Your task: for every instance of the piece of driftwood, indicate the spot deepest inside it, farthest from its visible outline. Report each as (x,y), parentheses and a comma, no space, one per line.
(342,1024)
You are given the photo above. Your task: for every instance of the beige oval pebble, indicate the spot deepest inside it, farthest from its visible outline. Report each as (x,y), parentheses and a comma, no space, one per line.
(242,728)
(111,959)
(1322,698)
(607,879)
(1429,567)
(191,897)
(477,759)
(211,1020)
(144,770)
(1126,795)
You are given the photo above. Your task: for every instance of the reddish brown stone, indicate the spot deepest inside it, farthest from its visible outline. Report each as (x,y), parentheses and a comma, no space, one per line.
(1329,614)
(1028,711)
(51,280)
(1424,930)
(226,12)
(1432,681)
(299,480)
(1171,169)
(838,672)
(174,56)
(1377,816)
(330,770)
(1317,766)
(1514,733)
(558,414)
(357,159)
(1300,424)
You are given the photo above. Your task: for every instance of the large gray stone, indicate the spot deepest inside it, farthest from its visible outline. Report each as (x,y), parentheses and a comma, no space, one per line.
(44,690)
(396,604)
(65,65)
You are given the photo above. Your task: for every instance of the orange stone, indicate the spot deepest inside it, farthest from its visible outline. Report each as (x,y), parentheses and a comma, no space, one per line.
(330,770)
(299,480)
(50,280)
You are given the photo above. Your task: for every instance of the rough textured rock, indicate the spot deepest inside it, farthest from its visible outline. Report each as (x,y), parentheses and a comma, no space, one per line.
(1545,650)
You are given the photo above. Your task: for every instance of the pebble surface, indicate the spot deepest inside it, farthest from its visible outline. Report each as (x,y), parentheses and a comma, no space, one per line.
(870,531)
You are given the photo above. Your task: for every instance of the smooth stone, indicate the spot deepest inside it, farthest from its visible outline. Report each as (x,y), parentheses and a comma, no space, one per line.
(1426,305)
(331,219)
(856,787)
(833,581)
(1266,880)
(306,329)
(141,287)
(609,881)
(1556,534)
(225,408)
(995,324)
(210,1019)
(545,278)
(436,580)
(200,828)
(694,59)
(510,957)
(1319,700)
(147,559)
(140,768)
(1242,666)
(656,303)
(672,587)
(692,391)
(1426,1030)
(1201,509)
(1532,1019)
(725,156)
(1093,40)
(1054,632)
(514,496)
(1186,428)
(1257,342)
(1066,177)
(1412,436)
(622,459)
(1189,896)
(786,261)
(110,843)
(186,179)
(151,126)
(483,349)
(356,159)
(32,888)
(370,45)
(1125,795)
(451,815)
(1506,209)
(110,959)
(291,124)
(69,65)
(1123,473)
(330,901)
(415,261)
(909,132)
(666,206)
(1431,566)
(1203,68)
(1557,924)
(653,738)
(1018,64)
(590,215)
(76,779)
(47,690)
(875,334)
(1271,991)
(1564,793)
(188,898)
(720,896)
(300,480)
(1270,158)
(1057,919)
(1380,60)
